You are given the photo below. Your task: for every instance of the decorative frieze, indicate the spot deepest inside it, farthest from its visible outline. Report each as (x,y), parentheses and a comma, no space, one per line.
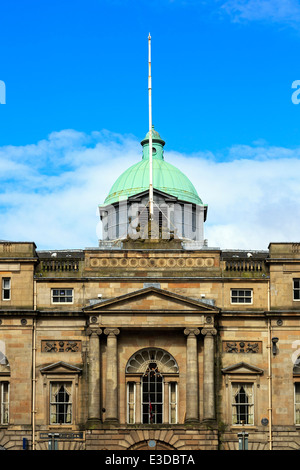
(51,346)
(171,263)
(248,347)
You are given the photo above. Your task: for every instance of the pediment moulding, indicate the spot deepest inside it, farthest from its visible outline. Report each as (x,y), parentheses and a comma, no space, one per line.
(152,298)
(242,368)
(60,368)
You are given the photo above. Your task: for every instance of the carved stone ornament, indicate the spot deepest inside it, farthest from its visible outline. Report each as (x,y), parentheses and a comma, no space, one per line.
(191,331)
(248,347)
(111,331)
(208,331)
(93,331)
(58,346)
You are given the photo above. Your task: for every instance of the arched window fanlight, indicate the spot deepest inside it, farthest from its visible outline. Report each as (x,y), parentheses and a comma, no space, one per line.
(140,361)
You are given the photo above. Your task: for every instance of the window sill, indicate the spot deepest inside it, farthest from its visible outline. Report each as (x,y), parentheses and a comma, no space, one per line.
(241,427)
(64,427)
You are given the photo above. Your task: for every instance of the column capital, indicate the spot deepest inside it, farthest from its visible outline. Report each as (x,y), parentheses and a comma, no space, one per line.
(191,331)
(208,331)
(111,331)
(93,331)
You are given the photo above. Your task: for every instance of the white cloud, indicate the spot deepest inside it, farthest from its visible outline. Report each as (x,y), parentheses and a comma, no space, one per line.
(50,191)
(277,11)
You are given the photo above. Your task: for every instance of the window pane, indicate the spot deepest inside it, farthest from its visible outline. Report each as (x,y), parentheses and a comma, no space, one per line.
(6,283)
(4,402)
(297,403)
(131,402)
(6,294)
(173,402)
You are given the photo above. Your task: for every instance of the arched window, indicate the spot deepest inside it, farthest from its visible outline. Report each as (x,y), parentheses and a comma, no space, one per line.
(152,375)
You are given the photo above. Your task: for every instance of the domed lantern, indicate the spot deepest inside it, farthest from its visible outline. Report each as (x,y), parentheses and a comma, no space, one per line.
(178,210)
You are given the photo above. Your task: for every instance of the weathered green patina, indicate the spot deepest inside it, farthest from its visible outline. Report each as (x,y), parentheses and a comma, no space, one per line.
(166,177)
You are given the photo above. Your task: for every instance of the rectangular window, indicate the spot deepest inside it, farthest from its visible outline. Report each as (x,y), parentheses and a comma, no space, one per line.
(60,403)
(297,403)
(4,402)
(131,402)
(152,396)
(172,402)
(62,296)
(296,289)
(6,285)
(242,403)
(241,296)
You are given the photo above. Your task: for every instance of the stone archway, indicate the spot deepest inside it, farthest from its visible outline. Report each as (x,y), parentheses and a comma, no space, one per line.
(151,444)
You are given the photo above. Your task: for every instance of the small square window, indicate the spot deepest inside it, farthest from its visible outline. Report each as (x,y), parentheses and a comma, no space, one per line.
(241,296)
(62,296)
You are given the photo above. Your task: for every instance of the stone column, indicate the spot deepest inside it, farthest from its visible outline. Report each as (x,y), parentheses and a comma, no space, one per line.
(138,402)
(111,400)
(208,380)
(192,396)
(94,415)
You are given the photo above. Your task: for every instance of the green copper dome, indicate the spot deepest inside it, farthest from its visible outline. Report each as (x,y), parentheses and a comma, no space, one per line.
(166,177)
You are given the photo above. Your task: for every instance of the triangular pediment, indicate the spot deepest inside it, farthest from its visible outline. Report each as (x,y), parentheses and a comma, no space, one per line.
(242,368)
(60,368)
(152,299)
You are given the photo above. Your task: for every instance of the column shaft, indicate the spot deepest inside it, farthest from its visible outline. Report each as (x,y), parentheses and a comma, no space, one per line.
(111,400)
(209,385)
(192,396)
(94,375)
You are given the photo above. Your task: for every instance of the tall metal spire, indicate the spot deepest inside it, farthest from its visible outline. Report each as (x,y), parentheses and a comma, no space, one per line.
(150,131)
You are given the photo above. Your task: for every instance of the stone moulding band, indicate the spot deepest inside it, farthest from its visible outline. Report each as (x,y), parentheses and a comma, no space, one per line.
(173,262)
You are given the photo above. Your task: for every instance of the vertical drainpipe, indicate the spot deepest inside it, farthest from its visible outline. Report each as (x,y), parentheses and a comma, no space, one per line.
(269,370)
(33,367)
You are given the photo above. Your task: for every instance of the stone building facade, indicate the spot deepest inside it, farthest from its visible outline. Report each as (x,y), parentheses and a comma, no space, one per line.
(149,343)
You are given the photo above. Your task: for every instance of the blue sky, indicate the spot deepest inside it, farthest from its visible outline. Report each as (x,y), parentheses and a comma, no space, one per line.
(77,107)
